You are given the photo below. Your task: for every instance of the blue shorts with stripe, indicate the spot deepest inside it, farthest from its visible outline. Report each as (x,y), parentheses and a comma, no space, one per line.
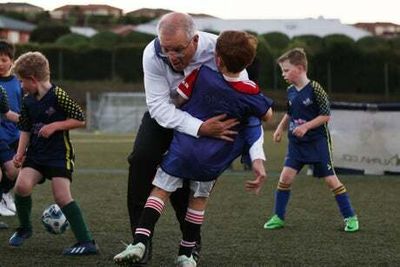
(316,153)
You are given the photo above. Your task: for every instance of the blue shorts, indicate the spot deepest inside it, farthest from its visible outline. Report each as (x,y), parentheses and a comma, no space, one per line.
(317,154)
(6,153)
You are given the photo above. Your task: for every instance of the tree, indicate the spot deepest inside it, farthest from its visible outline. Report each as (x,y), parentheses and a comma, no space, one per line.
(137,38)
(311,43)
(73,40)
(105,39)
(48,33)
(373,43)
(276,40)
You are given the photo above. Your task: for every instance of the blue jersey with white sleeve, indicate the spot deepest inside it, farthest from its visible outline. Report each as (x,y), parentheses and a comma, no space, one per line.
(210,94)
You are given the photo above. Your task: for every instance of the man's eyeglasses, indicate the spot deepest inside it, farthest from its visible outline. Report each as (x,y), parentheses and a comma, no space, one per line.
(178,52)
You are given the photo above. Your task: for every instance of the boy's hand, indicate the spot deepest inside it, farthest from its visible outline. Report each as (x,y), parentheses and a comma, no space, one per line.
(18,160)
(300,131)
(260,177)
(47,130)
(277,137)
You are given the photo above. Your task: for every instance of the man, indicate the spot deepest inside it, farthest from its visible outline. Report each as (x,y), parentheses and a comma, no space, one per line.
(177,51)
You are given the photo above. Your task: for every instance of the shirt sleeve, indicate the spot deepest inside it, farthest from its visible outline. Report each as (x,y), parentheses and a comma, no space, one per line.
(4,107)
(24,124)
(322,99)
(254,138)
(70,107)
(158,101)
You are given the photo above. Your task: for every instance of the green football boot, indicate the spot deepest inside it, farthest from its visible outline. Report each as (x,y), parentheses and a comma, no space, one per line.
(274,223)
(351,224)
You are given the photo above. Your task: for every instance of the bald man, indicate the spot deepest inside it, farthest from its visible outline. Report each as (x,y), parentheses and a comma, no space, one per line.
(174,54)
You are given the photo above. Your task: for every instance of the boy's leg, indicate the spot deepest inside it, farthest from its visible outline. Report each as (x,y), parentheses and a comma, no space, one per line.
(10,174)
(343,200)
(188,252)
(70,208)
(28,178)
(282,195)
(193,220)
(152,211)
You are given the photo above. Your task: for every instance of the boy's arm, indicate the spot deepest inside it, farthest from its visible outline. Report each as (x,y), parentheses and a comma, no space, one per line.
(254,136)
(277,137)
(260,176)
(68,124)
(75,117)
(12,116)
(22,145)
(323,117)
(268,116)
(301,130)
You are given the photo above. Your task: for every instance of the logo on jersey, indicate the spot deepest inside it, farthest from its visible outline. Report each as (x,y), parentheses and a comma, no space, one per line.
(307,102)
(50,111)
(329,166)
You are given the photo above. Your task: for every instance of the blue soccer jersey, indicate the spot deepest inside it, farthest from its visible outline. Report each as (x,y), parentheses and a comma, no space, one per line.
(315,146)
(56,105)
(204,158)
(8,130)
(305,105)
(5,152)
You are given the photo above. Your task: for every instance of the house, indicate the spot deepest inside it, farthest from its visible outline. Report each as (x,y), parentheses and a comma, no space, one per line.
(85,31)
(20,7)
(291,27)
(67,11)
(384,29)
(123,30)
(148,12)
(15,31)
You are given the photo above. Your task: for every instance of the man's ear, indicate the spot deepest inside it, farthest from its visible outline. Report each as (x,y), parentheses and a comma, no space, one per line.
(196,38)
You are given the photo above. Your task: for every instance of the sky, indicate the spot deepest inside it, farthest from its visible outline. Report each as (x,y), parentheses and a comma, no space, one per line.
(348,11)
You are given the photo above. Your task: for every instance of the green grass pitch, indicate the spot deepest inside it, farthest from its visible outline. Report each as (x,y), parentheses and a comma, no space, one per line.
(233,233)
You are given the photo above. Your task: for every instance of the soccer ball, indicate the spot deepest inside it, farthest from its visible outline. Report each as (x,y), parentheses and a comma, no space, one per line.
(54,220)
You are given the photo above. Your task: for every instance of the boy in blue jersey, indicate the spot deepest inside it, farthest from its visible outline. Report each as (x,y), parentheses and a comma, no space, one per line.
(309,140)
(9,132)
(6,154)
(204,94)
(45,150)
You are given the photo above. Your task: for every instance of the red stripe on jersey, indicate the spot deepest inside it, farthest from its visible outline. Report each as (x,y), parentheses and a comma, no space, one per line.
(246,87)
(186,86)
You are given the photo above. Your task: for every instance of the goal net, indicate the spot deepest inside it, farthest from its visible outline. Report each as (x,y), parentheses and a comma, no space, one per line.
(116,112)
(366,137)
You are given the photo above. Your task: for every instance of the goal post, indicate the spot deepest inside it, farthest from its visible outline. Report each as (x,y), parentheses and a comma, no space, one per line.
(116,112)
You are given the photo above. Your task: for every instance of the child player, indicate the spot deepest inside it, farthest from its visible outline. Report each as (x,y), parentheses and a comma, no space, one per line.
(309,140)
(45,150)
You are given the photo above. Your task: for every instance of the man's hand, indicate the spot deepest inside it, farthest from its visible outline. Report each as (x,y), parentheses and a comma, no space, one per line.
(260,177)
(218,127)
